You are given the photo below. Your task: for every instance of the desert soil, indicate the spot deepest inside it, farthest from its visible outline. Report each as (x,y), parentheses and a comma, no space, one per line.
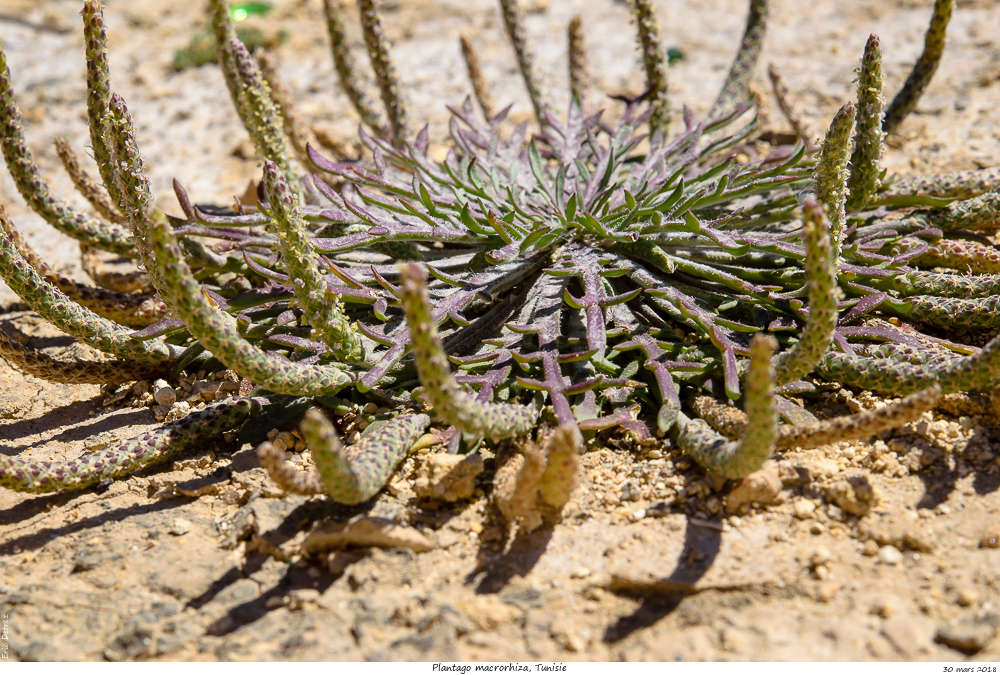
(882,550)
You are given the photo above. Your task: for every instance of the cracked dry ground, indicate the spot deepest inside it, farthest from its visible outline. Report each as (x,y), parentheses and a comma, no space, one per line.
(879,550)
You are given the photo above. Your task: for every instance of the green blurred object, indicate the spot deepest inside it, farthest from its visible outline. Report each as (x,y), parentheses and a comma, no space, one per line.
(201,49)
(674,54)
(242,11)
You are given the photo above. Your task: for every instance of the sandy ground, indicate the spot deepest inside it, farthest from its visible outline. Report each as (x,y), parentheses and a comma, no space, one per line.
(886,550)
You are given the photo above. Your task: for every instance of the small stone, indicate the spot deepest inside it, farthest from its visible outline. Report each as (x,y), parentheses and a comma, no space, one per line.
(870,548)
(827,590)
(447,477)
(804,508)
(204,390)
(818,560)
(853,495)
(790,474)
(882,607)
(177,411)
(629,492)
(967,597)
(969,633)
(179,526)
(890,555)
(164,394)
(761,487)
(821,468)
(237,527)
(820,556)
(580,573)
(991,537)
(569,640)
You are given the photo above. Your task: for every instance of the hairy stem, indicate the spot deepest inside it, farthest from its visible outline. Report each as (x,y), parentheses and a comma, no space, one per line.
(449,402)
(923,70)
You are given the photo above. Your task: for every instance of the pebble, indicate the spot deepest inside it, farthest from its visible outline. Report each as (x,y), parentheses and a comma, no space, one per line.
(827,590)
(804,508)
(967,597)
(882,607)
(820,556)
(205,390)
(629,492)
(569,640)
(818,560)
(820,468)
(760,487)
(991,537)
(790,474)
(179,526)
(890,555)
(853,495)
(447,477)
(969,633)
(177,411)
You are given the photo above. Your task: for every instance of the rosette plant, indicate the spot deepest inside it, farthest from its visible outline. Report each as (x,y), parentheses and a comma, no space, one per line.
(628,269)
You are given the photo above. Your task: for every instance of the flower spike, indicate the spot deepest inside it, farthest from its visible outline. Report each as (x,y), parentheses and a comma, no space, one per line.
(923,70)
(513,21)
(832,171)
(736,459)
(653,62)
(385,70)
(321,305)
(129,456)
(355,474)
(36,192)
(449,402)
(869,138)
(821,280)
(347,70)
